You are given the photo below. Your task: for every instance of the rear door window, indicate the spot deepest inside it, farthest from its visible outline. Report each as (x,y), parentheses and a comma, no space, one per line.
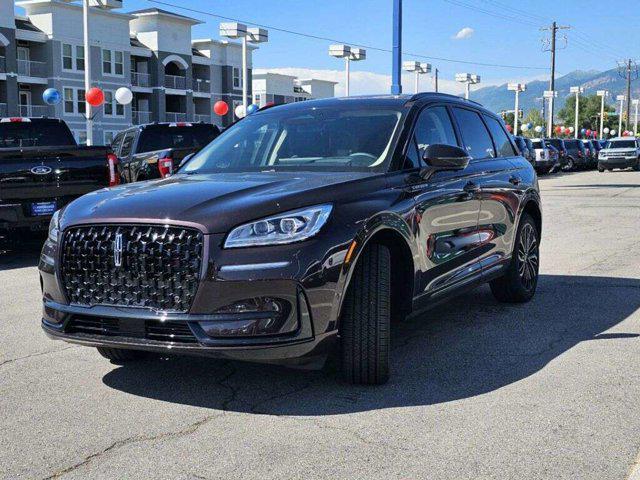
(127,144)
(500,138)
(475,135)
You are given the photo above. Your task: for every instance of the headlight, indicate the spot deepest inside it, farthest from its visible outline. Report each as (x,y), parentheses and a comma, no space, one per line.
(54,227)
(288,227)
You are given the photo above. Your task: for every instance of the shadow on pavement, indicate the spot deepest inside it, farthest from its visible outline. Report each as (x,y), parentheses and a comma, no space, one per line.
(470,346)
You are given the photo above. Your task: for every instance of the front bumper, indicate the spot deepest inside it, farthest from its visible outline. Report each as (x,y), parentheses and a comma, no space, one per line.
(310,280)
(618,162)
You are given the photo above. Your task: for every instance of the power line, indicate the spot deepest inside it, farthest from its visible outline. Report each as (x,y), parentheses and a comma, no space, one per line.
(491,13)
(334,40)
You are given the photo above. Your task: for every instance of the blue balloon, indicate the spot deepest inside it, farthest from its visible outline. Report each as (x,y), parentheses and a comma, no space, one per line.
(583,131)
(51,96)
(253,108)
(530,125)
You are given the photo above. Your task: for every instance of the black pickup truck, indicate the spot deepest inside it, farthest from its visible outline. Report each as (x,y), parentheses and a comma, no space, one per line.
(155,150)
(42,169)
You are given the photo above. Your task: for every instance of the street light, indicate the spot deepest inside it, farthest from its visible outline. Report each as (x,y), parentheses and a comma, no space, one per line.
(602,94)
(349,54)
(621,99)
(418,68)
(516,87)
(468,79)
(550,94)
(577,91)
(252,35)
(635,103)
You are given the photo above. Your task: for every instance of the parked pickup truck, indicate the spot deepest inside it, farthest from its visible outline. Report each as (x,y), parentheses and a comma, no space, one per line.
(42,169)
(155,150)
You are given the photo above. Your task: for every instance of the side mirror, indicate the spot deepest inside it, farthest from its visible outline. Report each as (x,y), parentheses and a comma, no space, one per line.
(440,157)
(185,159)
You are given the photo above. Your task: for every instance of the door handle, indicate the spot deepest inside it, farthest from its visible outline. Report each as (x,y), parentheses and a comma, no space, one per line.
(515,180)
(471,187)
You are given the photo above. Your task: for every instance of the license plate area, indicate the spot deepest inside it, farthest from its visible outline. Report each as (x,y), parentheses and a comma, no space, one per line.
(41,209)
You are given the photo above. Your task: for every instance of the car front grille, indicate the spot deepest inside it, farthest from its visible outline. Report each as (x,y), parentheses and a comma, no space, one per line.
(156,330)
(156,267)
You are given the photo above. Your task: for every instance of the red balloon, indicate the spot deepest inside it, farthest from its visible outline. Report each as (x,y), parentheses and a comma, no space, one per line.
(567,131)
(588,133)
(221,108)
(558,129)
(509,128)
(94,97)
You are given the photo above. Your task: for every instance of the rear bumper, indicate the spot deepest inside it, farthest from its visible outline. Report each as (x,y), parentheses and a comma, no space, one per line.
(12,216)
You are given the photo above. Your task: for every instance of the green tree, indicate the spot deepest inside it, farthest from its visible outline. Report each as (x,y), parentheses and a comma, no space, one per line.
(589,113)
(535,118)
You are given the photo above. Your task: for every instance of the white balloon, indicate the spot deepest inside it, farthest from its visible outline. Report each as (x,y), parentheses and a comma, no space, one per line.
(612,132)
(124,96)
(240,113)
(538,129)
(571,129)
(524,127)
(606,130)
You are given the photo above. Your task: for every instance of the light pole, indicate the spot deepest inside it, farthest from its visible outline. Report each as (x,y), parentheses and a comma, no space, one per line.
(468,79)
(516,87)
(418,68)
(87,69)
(349,54)
(635,103)
(602,94)
(247,35)
(621,99)
(550,94)
(577,91)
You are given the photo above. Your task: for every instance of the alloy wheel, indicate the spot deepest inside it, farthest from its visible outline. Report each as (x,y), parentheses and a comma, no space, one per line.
(528,256)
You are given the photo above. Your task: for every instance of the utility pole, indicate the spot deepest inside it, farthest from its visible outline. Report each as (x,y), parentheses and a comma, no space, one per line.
(626,125)
(87,69)
(552,82)
(629,71)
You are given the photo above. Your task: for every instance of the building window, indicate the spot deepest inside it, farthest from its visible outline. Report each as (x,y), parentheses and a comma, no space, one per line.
(112,62)
(68,101)
(74,101)
(237,78)
(72,57)
(81,136)
(108,136)
(111,107)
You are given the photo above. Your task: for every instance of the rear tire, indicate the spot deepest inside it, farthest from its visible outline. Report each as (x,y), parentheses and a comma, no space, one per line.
(518,284)
(365,321)
(119,355)
(571,165)
(601,169)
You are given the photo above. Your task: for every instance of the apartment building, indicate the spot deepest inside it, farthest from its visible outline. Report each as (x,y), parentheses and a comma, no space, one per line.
(270,87)
(173,77)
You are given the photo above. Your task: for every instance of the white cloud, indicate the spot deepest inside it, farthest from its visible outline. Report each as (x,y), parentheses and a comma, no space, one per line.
(466,32)
(368,83)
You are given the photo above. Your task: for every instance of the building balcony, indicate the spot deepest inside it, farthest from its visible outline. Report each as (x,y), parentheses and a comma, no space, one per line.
(199,117)
(175,117)
(3,64)
(139,79)
(175,81)
(3,110)
(32,68)
(140,117)
(201,85)
(36,110)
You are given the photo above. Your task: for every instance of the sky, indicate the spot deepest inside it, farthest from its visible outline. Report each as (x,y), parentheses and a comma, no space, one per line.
(498,32)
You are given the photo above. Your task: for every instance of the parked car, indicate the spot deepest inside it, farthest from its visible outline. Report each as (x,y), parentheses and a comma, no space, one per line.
(559,145)
(576,154)
(554,154)
(303,227)
(523,148)
(42,168)
(155,150)
(597,146)
(545,160)
(592,154)
(532,151)
(621,152)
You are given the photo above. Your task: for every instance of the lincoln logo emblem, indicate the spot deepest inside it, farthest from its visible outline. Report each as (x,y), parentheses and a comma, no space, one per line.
(117,250)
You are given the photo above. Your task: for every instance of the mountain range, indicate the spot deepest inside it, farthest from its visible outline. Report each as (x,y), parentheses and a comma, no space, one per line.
(498,98)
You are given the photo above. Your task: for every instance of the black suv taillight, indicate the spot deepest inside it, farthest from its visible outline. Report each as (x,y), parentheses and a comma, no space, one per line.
(114,177)
(165,166)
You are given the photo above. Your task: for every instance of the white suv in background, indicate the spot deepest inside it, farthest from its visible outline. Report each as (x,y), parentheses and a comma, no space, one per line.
(546,156)
(621,152)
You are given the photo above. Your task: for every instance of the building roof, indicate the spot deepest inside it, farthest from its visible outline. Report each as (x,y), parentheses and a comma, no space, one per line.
(165,13)
(197,53)
(23,23)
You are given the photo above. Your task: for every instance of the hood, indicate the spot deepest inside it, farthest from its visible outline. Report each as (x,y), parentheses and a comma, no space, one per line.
(215,202)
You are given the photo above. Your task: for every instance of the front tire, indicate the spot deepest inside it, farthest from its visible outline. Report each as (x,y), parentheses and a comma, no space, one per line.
(518,284)
(571,165)
(636,167)
(365,321)
(121,355)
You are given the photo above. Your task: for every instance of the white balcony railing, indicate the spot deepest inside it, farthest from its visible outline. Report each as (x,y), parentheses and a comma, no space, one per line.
(176,117)
(31,68)
(206,118)
(201,85)
(35,111)
(139,79)
(140,117)
(175,81)
(3,109)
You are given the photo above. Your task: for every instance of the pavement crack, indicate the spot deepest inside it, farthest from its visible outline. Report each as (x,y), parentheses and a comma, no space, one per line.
(255,407)
(37,354)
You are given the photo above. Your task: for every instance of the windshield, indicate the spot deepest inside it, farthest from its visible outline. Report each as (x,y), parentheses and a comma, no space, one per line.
(621,144)
(537,144)
(324,138)
(30,134)
(555,142)
(164,136)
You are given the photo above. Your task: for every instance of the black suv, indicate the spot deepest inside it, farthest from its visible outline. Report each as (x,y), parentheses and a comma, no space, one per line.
(301,227)
(577,156)
(559,145)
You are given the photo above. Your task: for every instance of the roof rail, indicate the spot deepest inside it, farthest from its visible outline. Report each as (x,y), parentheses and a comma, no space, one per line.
(419,95)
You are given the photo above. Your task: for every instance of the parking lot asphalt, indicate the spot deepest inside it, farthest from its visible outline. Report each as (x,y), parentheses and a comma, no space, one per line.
(550,389)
